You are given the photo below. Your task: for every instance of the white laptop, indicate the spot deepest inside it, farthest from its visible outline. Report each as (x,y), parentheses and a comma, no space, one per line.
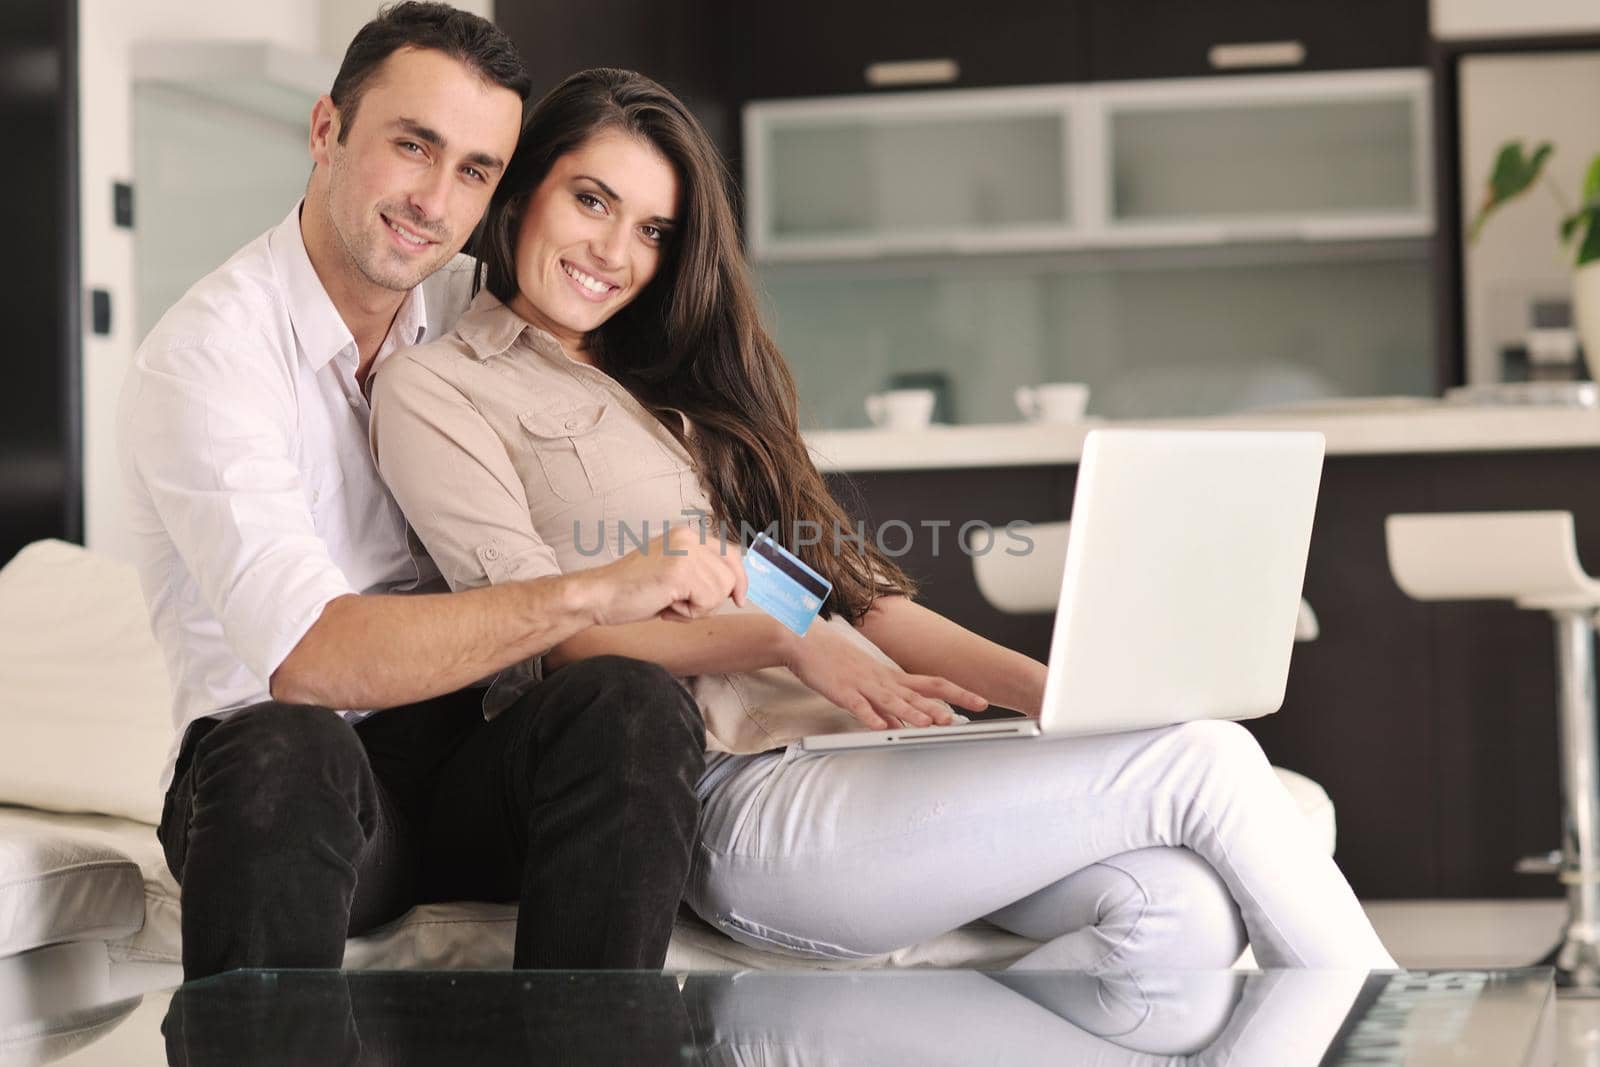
(1181,591)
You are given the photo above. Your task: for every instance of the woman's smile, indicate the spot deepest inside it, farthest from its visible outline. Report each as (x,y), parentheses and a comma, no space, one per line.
(588,285)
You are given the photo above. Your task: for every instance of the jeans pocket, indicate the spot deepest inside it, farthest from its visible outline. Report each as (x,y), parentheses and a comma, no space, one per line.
(757,935)
(731,813)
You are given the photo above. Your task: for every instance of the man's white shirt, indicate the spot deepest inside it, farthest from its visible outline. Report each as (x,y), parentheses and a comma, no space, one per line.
(243,441)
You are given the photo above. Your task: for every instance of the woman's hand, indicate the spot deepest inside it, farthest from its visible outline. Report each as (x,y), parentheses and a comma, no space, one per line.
(922,640)
(877,694)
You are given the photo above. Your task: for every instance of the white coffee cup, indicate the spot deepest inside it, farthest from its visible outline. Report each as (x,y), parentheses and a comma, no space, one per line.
(1053,401)
(901,409)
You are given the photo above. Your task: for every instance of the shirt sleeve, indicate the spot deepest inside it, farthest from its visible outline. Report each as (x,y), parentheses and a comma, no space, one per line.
(214,449)
(452,476)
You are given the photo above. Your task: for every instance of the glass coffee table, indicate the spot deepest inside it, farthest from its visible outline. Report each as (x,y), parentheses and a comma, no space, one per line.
(1253,1019)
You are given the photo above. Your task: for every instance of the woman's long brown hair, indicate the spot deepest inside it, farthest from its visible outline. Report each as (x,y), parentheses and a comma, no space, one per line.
(693,338)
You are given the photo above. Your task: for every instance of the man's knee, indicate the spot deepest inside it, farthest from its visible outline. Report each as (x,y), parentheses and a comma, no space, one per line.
(270,753)
(616,702)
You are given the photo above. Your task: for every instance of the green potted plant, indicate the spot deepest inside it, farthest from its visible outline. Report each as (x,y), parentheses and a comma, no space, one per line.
(1515,172)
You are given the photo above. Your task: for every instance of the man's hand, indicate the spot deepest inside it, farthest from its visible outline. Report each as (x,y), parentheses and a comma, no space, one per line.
(879,695)
(679,575)
(382,651)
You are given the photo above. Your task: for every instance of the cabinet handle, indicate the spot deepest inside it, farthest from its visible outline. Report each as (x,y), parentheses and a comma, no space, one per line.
(912,72)
(1257,54)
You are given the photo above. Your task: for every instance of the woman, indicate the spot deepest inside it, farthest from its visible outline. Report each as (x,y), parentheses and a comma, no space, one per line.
(615,377)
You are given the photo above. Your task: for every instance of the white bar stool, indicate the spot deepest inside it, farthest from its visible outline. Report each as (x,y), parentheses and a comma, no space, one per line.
(1531,559)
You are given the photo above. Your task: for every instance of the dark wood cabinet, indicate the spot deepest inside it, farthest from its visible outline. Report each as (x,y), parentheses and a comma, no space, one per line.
(683,44)
(827,47)
(672,41)
(1179,38)
(1432,726)
(720,54)
(41,465)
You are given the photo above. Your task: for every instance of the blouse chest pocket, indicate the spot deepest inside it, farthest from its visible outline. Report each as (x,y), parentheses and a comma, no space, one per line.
(590,450)
(570,447)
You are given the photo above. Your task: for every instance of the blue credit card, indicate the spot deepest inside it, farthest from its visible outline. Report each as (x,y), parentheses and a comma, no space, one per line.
(782,586)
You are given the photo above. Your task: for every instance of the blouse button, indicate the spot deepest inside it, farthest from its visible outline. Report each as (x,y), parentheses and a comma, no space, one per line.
(572,424)
(491,553)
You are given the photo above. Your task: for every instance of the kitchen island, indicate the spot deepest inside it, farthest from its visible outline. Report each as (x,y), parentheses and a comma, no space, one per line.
(1377,426)
(1432,726)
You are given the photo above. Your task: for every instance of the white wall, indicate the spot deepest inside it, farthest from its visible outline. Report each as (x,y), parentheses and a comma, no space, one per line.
(213,174)
(107,31)
(342,18)
(1513,18)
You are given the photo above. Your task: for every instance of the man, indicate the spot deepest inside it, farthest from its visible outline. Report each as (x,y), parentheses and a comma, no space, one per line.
(270,551)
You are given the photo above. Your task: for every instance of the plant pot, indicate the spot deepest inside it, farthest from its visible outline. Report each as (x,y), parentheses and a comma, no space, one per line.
(1586,313)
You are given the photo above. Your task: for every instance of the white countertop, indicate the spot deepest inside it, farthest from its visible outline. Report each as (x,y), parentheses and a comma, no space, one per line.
(1374,427)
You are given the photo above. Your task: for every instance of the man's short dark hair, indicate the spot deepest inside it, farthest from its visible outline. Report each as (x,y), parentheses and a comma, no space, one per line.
(461,35)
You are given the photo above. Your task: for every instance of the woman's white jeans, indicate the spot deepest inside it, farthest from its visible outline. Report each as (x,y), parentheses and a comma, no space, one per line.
(1129,851)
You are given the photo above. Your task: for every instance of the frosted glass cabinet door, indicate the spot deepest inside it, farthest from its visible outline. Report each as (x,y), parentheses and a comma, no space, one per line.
(867,176)
(1298,157)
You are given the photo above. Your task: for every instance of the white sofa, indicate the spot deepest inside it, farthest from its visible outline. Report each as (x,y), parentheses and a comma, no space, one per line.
(84,728)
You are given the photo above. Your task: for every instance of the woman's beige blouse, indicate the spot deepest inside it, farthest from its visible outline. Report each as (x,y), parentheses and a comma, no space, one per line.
(512,461)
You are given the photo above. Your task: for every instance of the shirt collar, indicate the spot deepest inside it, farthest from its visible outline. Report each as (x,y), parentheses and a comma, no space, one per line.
(318,326)
(488,328)
(410,328)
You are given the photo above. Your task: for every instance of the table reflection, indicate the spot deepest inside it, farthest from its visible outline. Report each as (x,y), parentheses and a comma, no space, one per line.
(1277,1018)
(1282,1018)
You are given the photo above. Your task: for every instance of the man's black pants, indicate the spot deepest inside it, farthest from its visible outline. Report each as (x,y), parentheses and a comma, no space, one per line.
(289,830)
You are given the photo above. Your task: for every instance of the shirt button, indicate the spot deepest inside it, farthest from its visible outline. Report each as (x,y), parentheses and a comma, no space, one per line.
(491,553)
(572,424)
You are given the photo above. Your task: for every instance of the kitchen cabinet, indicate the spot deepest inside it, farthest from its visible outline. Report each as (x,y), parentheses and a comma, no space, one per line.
(1135,39)
(1294,157)
(867,176)
(834,47)
(686,45)
(837,47)
(676,42)
(1297,158)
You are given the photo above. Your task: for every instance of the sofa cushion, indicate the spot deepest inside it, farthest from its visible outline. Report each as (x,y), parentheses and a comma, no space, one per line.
(471,935)
(1314,804)
(467,935)
(60,883)
(85,709)
(441,936)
